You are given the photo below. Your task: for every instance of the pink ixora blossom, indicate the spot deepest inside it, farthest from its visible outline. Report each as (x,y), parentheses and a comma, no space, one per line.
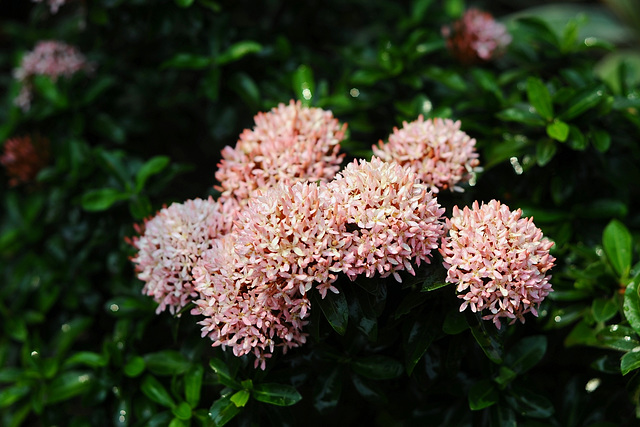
(49,58)
(437,150)
(23,157)
(254,282)
(476,37)
(388,218)
(171,243)
(498,261)
(54,5)
(291,142)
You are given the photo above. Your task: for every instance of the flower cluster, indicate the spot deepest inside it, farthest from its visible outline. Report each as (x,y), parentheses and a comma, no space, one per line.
(498,260)
(54,5)
(388,218)
(476,37)
(437,150)
(23,157)
(49,58)
(291,142)
(171,244)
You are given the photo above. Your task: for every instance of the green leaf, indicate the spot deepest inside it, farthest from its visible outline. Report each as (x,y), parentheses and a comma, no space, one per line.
(134,367)
(184,3)
(327,390)
(223,410)
(631,305)
(545,150)
(155,391)
(335,309)
(88,358)
(242,84)
(276,394)
(182,411)
(601,140)
(617,241)
(177,422)
(520,115)
(48,89)
(240,398)
(489,340)
(237,50)
(558,130)
(417,339)
(581,102)
(530,404)
(101,199)
(482,394)
(188,61)
(193,384)
(68,385)
(303,84)
(630,361)
(369,390)
(224,374)
(151,167)
(377,367)
(526,353)
(539,97)
(603,309)
(11,394)
(166,362)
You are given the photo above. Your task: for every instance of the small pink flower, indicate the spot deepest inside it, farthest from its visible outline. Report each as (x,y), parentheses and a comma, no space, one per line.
(437,150)
(23,157)
(498,260)
(291,142)
(170,246)
(476,37)
(386,218)
(50,58)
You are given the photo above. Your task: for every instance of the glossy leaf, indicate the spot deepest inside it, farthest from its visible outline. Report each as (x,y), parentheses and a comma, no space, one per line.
(182,411)
(223,410)
(558,130)
(520,115)
(102,199)
(87,358)
(539,97)
(151,167)
(224,374)
(630,361)
(155,391)
(240,398)
(417,339)
(583,101)
(276,394)
(530,404)
(616,240)
(327,391)
(193,384)
(489,340)
(166,362)
(603,309)
(134,367)
(545,150)
(303,84)
(482,394)
(11,394)
(238,50)
(631,305)
(377,367)
(601,140)
(335,309)
(526,353)
(188,61)
(68,385)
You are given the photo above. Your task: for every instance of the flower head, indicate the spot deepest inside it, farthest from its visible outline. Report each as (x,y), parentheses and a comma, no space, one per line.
(49,58)
(172,243)
(23,157)
(498,260)
(437,150)
(291,142)
(388,218)
(476,37)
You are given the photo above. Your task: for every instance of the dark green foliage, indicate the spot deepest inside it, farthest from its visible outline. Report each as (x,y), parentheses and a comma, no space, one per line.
(557,125)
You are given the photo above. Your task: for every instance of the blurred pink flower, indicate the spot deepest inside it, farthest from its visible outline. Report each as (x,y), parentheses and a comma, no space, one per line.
(50,58)
(437,150)
(23,157)
(291,142)
(476,37)
(170,245)
(254,282)
(498,261)
(54,5)
(387,218)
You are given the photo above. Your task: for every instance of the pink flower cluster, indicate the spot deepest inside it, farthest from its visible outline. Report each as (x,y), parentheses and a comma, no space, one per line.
(49,58)
(54,5)
(23,157)
(498,260)
(476,37)
(437,150)
(291,142)
(172,243)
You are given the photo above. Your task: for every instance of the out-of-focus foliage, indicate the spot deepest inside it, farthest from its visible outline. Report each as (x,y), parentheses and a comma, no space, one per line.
(557,125)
